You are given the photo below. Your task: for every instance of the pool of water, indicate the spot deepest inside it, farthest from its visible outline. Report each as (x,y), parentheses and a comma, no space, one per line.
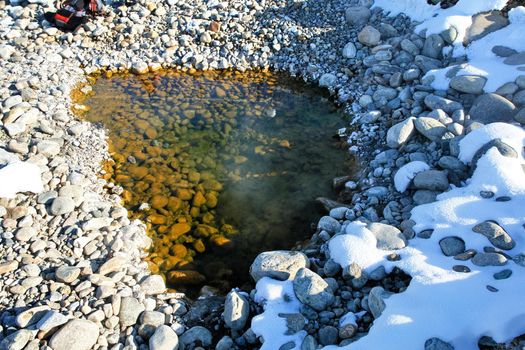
(219,165)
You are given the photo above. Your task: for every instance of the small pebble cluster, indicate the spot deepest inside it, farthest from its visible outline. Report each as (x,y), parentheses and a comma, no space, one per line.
(72,274)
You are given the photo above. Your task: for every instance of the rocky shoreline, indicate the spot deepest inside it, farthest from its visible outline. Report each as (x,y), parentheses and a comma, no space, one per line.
(71,268)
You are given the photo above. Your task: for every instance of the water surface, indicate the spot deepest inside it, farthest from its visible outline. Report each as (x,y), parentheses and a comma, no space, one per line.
(220,165)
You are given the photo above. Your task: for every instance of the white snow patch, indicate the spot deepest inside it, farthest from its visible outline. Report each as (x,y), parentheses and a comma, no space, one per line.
(514,136)
(439,302)
(20,176)
(407,172)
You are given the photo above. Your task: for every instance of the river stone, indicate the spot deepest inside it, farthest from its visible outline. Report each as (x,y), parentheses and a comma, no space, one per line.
(503,274)
(520,81)
(438,102)
(62,205)
(503,51)
(470,84)
(152,318)
(130,309)
(376,301)
(496,235)
(48,148)
(433,46)
(520,116)
(76,334)
(31,316)
(369,36)
(329,224)
(357,15)
(437,344)
(67,274)
(24,234)
(164,338)
(327,80)
(279,264)
(452,245)
(196,335)
(312,290)
(225,343)
(489,108)
(236,310)
(489,259)
(516,59)
(388,237)
(50,320)
(519,98)
(152,285)
(484,24)
(430,128)
(400,133)
(349,51)
(503,148)
(139,67)
(410,47)
(424,196)
(294,322)
(328,335)
(450,34)
(16,340)
(507,89)
(433,180)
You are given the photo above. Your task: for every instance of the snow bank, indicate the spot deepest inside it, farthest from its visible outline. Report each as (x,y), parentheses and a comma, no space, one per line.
(18,176)
(482,61)
(407,172)
(456,307)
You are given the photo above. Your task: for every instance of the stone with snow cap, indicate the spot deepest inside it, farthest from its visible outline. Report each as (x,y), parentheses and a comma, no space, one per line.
(388,237)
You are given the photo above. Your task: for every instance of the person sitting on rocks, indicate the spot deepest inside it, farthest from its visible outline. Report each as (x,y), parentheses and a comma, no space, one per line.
(72,13)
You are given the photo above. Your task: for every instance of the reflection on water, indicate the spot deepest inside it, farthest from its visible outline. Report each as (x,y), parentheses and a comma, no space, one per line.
(228,163)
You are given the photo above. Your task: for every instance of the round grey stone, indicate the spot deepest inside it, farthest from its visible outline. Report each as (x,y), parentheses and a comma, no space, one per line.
(357,15)
(470,84)
(312,290)
(62,205)
(489,108)
(369,36)
(489,259)
(452,245)
(197,335)
(328,335)
(164,338)
(279,265)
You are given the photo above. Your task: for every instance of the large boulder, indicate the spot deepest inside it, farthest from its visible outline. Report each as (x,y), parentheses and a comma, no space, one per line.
(490,108)
(279,264)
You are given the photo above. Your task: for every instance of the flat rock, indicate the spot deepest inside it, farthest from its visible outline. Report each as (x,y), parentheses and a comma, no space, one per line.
(470,84)
(503,51)
(489,108)
(62,205)
(164,338)
(388,237)
(25,234)
(51,320)
(130,309)
(452,245)
(236,310)
(16,340)
(76,334)
(31,316)
(496,235)
(438,102)
(515,59)
(67,274)
(430,128)
(489,259)
(484,24)
(312,290)
(279,264)
(433,180)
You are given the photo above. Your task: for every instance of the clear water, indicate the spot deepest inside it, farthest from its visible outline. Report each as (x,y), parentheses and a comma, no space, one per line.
(230,164)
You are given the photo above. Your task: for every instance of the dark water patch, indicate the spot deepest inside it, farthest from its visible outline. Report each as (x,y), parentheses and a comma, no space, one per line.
(220,165)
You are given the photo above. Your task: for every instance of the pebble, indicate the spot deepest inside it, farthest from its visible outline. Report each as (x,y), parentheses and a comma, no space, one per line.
(236,310)
(194,335)
(76,334)
(164,338)
(496,235)
(388,237)
(369,36)
(312,290)
(130,309)
(452,245)
(489,259)
(279,265)
(62,205)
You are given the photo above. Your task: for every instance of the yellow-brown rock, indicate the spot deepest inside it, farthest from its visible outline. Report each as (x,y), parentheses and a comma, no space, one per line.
(157,219)
(179,229)
(178,250)
(184,194)
(185,277)
(205,231)
(174,204)
(211,200)
(138,172)
(198,245)
(221,241)
(158,201)
(199,199)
